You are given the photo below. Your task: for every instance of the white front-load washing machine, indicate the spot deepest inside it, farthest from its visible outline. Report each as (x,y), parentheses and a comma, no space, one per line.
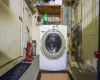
(53,52)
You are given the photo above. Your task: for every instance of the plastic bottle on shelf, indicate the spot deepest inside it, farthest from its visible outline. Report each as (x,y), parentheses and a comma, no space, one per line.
(45,18)
(39,3)
(52,2)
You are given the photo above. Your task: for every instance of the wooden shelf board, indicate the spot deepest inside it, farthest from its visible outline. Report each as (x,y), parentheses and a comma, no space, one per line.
(49,9)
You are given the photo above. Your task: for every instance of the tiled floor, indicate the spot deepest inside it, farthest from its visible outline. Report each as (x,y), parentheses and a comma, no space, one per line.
(31,71)
(79,71)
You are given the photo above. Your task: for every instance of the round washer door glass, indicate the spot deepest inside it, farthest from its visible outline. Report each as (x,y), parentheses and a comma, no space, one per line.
(53,44)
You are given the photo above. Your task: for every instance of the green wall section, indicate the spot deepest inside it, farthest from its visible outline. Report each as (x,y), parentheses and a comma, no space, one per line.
(86,13)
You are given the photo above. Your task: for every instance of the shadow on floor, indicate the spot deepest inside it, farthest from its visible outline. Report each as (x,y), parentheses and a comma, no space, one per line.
(82,71)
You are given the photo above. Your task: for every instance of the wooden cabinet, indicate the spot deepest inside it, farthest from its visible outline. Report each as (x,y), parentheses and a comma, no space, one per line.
(54,10)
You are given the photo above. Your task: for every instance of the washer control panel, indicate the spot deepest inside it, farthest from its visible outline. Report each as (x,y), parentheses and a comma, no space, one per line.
(55,27)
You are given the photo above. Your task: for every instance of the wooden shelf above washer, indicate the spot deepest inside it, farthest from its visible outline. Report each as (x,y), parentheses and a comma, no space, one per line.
(49,9)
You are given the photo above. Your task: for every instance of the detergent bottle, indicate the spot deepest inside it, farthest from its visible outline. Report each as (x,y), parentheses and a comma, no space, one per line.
(45,18)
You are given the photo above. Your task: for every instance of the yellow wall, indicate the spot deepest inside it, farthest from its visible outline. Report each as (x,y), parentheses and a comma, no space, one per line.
(77,14)
(90,11)
(11,39)
(27,21)
(36,33)
(9,32)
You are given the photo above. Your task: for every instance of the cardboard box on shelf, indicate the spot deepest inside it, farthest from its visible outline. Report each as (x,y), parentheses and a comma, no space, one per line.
(58,2)
(53,19)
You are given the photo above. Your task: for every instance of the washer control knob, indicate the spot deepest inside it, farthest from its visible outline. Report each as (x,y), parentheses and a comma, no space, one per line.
(53,26)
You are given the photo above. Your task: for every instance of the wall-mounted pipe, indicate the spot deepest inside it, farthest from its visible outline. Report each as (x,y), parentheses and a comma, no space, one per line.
(98,62)
(99,30)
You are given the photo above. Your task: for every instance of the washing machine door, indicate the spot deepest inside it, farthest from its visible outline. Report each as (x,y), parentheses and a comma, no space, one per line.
(53,44)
